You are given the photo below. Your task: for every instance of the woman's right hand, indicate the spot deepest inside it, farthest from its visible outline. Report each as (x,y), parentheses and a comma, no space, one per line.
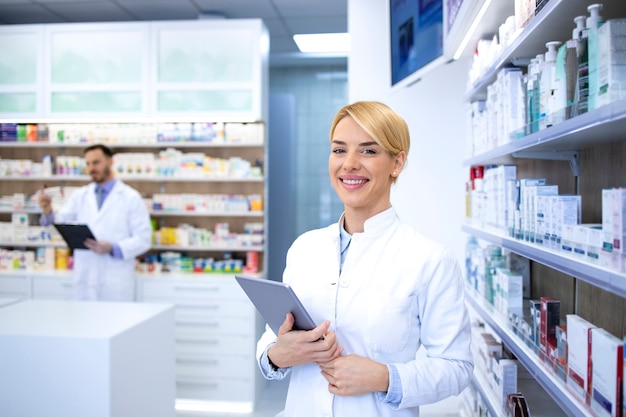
(298,347)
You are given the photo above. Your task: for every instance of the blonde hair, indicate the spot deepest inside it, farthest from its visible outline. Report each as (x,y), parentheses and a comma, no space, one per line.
(380,122)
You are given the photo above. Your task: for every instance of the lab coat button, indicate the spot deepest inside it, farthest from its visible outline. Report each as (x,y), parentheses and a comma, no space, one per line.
(344,282)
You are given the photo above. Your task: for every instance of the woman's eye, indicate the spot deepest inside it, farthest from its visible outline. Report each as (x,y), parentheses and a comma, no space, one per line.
(369,151)
(338,150)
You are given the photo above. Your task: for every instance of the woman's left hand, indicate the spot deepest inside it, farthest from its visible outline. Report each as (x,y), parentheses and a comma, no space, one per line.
(355,375)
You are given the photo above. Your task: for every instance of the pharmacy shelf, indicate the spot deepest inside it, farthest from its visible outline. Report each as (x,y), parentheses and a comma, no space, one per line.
(544,376)
(204,213)
(153,247)
(593,128)
(119,145)
(595,275)
(554,22)
(175,276)
(208,248)
(32,244)
(87,178)
(158,213)
(24,211)
(482,386)
(52,273)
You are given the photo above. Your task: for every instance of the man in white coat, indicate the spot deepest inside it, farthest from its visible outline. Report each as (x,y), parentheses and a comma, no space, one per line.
(118,218)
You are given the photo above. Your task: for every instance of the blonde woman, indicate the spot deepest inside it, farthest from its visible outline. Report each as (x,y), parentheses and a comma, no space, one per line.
(379,289)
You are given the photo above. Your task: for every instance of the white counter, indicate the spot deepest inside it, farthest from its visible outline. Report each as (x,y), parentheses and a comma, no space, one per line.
(96,359)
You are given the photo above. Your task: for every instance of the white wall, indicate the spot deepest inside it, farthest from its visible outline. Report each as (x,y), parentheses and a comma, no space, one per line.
(430,193)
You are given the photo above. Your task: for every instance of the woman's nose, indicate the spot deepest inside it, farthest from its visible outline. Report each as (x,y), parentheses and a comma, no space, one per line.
(351,161)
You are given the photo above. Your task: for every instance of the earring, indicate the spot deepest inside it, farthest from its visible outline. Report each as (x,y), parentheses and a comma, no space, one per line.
(394,174)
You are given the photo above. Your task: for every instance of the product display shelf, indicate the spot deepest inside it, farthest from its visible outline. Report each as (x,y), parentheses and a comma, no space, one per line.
(529,359)
(87,178)
(208,248)
(555,22)
(163,213)
(122,145)
(33,245)
(481,384)
(153,247)
(589,129)
(25,211)
(36,272)
(595,275)
(204,213)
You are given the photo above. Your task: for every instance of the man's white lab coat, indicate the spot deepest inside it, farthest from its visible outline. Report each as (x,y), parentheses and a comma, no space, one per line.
(122,219)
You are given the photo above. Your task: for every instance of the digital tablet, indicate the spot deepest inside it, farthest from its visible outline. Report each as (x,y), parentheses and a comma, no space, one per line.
(274,300)
(74,234)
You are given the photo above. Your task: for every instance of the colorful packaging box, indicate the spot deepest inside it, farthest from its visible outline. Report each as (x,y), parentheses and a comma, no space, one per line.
(579,355)
(607,358)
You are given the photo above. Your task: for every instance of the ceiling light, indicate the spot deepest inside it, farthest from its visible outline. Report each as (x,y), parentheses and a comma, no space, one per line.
(323,42)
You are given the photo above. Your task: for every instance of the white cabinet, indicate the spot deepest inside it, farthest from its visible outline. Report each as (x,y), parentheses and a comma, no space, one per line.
(97,69)
(14,285)
(215,337)
(592,143)
(52,286)
(126,71)
(22,70)
(36,284)
(211,68)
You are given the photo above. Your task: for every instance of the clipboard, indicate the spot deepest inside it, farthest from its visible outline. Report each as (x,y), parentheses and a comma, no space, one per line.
(274,300)
(74,234)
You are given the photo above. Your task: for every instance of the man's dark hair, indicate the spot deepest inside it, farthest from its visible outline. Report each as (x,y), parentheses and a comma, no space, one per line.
(105,149)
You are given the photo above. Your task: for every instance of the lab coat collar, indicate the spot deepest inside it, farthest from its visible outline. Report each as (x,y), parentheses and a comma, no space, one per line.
(375,225)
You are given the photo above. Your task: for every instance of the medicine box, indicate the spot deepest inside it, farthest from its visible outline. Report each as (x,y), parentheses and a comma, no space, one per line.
(535,321)
(578,355)
(561,351)
(607,357)
(550,318)
(611,61)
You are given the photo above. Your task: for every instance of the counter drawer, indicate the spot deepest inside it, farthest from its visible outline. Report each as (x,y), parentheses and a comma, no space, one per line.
(216,366)
(18,287)
(205,326)
(214,308)
(218,288)
(215,389)
(214,344)
(52,288)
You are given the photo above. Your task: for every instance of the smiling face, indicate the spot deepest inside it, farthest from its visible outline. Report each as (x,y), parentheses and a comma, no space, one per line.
(361,170)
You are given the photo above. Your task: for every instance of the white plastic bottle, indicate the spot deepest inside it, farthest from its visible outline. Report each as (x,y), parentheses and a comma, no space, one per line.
(539,61)
(529,81)
(570,68)
(549,87)
(594,21)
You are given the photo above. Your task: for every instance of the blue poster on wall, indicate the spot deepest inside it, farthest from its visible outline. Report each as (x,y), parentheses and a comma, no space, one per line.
(416,35)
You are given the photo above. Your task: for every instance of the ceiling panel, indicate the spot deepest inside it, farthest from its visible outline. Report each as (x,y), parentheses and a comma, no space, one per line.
(92,12)
(317,25)
(239,8)
(312,8)
(283,18)
(27,13)
(161,10)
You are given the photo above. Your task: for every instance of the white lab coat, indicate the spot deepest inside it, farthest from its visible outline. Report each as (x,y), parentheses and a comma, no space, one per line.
(397,291)
(123,219)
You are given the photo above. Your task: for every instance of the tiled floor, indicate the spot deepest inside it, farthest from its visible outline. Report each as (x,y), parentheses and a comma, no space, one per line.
(273,398)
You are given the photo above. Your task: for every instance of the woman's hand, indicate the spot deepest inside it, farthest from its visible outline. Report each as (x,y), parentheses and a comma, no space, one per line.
(355,375)
(298,347)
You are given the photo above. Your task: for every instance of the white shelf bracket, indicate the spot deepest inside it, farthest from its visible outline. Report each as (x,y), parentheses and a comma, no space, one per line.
(571,156)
